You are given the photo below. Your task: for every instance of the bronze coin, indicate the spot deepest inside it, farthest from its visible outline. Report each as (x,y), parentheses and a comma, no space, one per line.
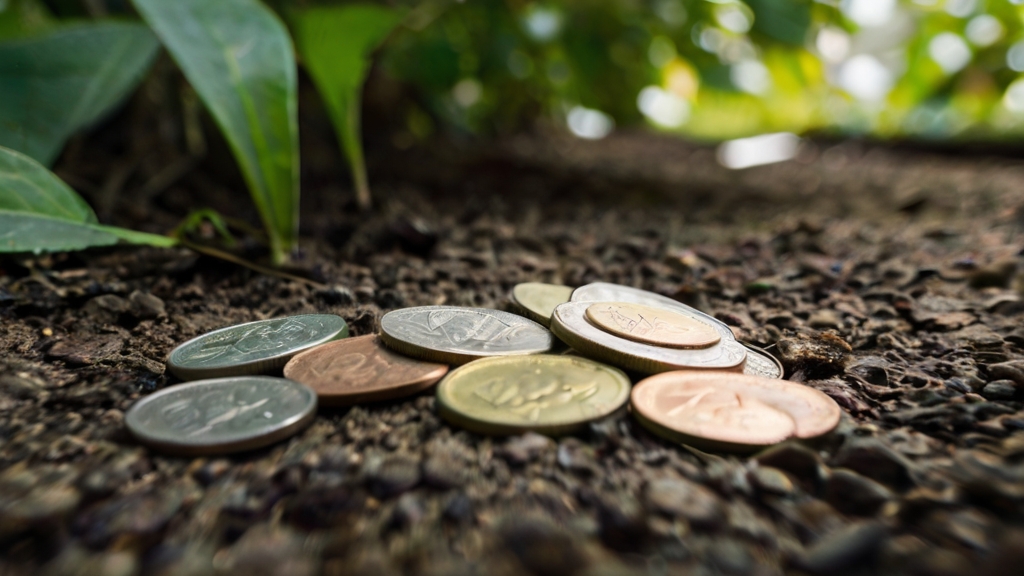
(361,369)
(650,325)
(735,412)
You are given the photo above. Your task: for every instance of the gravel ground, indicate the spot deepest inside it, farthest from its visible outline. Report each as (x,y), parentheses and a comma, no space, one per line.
(885,278)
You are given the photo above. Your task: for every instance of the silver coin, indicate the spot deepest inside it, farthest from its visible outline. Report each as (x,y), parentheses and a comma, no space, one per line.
(253,348)
(569,323)
(222,415)
(761,363)
(454,335)
(605,292)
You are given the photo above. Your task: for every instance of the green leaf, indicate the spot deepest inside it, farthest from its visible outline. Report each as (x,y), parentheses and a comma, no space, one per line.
(335,44)
(58,83)
(39,213)
(783,20)
(26,232)
(239,58)
(25,186)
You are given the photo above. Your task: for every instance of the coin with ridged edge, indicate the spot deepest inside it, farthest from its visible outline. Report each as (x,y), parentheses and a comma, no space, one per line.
(541,393)
(606,292)
(732,412)
(761,363)
(456,335)
(361,369)
(651,325)
(537,300)
(222,415)
(259,347)
(570,324)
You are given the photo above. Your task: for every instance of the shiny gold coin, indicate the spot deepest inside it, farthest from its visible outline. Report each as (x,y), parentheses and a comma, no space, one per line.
(733,412)
(541,393)
(651,325)
(537,300)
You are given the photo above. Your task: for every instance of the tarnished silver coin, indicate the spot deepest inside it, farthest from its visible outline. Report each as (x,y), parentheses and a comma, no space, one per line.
(606,292)
(254,347)
(761,363)
(454,335)
(222,415)
(569,323)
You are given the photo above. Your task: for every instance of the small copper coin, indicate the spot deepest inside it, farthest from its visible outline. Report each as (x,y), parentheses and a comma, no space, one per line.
(361,369)
(650,325)
(732,412)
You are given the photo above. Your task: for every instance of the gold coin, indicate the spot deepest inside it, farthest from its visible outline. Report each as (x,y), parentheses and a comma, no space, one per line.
(735,412)
(541,393)
(537,300)
(650,325)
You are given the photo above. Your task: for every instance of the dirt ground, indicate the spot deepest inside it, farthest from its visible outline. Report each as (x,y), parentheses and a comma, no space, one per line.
(887,278)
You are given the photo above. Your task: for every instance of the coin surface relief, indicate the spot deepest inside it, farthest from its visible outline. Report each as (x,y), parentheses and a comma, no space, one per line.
(541,393)
(652,325)
(761,363)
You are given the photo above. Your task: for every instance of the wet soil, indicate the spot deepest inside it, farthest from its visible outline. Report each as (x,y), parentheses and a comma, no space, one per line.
(888,279)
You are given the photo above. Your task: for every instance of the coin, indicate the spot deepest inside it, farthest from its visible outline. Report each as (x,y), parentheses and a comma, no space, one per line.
(605,292)
(761,363)
(732,412)
(540,393)
(650,325)
(537,300)
(454,335)
(222,415)
(360,369)
(253,348)
(569,323)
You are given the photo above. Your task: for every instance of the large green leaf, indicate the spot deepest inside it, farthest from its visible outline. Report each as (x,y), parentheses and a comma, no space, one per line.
(335,44)
(25,186)
(39,213)
(55,84)
(239,58)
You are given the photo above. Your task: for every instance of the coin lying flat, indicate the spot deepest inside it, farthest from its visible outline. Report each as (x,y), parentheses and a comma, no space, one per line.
(650,325)
(540,393)
(360,369)
(454,335)
(732,412)
(606,292)
(222,415)
(253,348)
(537,300)
(761,363)
(569,323)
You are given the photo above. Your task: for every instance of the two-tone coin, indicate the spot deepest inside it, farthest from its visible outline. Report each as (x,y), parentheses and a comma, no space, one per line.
(540,393)
(761,363)
(456,335)
(361,369)
(570,323)
(651,325)
(259,347)
(734,412)
(607,292)
(222,415)
(537,300)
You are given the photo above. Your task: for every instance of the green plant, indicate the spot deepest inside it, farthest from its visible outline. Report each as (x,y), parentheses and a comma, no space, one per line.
(39,213)
(335,44)
(239,58)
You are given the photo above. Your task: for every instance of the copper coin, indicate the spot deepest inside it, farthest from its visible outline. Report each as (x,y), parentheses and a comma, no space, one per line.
(361,369)
(734,412)
(650,325)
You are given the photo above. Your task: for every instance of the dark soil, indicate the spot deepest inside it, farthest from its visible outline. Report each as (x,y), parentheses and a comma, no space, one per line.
(885,278)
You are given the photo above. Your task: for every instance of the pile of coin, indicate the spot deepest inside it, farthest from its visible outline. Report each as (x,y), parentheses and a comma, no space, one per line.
(709,390)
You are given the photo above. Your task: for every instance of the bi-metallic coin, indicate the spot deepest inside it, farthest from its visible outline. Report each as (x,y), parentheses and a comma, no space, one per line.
(732,412)
(651,325)
(761,363)
(455,335)
(259,347)
(222,415)
(361,369)
(537,300)
(570,324)
(606,292)
(540,393)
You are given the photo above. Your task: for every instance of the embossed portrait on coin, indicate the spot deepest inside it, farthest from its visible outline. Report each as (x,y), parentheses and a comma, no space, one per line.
(252,341)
